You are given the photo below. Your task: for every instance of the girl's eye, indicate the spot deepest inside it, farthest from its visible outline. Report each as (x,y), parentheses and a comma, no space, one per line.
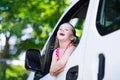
(66,29)
(60,29)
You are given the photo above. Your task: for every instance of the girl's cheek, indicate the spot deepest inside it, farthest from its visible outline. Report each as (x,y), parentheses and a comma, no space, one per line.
(58,32)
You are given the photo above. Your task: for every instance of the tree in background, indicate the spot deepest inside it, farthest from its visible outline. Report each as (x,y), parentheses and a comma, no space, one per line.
(26,24)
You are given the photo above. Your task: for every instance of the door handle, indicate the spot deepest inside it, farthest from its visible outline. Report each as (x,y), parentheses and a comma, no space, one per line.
(101,69)
(72,73)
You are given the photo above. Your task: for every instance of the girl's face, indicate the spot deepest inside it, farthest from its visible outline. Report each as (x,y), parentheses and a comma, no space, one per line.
(65,33)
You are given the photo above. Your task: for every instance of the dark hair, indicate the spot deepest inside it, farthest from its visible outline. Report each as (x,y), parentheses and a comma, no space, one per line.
(75,41)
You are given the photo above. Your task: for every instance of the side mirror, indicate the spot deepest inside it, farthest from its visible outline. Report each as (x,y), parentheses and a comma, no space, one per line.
(32,60)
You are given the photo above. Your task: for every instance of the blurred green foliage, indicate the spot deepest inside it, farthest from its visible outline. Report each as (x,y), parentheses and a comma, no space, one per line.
(19,15)
(16,72)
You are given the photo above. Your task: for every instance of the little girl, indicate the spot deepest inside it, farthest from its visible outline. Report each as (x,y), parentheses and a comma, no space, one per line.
(66,37)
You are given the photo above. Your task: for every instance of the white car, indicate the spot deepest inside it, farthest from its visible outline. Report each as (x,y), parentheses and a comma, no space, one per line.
(97,55)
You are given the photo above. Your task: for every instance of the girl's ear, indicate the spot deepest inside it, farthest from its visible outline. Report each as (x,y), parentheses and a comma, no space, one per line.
(72,38)
(75,40)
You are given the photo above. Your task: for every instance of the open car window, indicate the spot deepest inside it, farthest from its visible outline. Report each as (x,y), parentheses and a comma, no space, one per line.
(76,16)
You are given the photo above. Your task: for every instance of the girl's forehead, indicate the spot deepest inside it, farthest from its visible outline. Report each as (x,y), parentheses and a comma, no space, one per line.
(66,26)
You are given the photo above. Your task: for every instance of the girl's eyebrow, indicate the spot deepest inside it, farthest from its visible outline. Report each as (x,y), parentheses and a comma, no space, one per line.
(65,28)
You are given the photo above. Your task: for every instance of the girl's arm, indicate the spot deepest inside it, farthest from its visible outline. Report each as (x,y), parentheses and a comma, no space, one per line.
(58,66)
(54,60)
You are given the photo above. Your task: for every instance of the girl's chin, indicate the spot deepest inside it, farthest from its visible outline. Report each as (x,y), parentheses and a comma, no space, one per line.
(61,39)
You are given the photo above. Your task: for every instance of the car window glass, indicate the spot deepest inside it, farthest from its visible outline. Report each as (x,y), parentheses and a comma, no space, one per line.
(108,17)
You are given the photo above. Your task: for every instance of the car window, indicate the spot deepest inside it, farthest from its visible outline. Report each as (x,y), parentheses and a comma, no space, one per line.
(78,12)
(108,16)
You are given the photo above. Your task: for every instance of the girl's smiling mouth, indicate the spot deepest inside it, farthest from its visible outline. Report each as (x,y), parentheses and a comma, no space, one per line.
(61,34)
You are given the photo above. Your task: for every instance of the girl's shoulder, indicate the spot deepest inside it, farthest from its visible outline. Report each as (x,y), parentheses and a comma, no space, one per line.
(70,49)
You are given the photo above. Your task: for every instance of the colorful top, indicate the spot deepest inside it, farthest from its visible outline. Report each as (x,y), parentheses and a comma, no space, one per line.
(57,54)
(57,51)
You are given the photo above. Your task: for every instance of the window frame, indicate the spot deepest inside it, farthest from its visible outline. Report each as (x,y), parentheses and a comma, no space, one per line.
(103,30)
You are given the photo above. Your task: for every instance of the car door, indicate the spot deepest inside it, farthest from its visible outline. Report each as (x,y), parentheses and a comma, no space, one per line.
(76,15)
(103,42)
